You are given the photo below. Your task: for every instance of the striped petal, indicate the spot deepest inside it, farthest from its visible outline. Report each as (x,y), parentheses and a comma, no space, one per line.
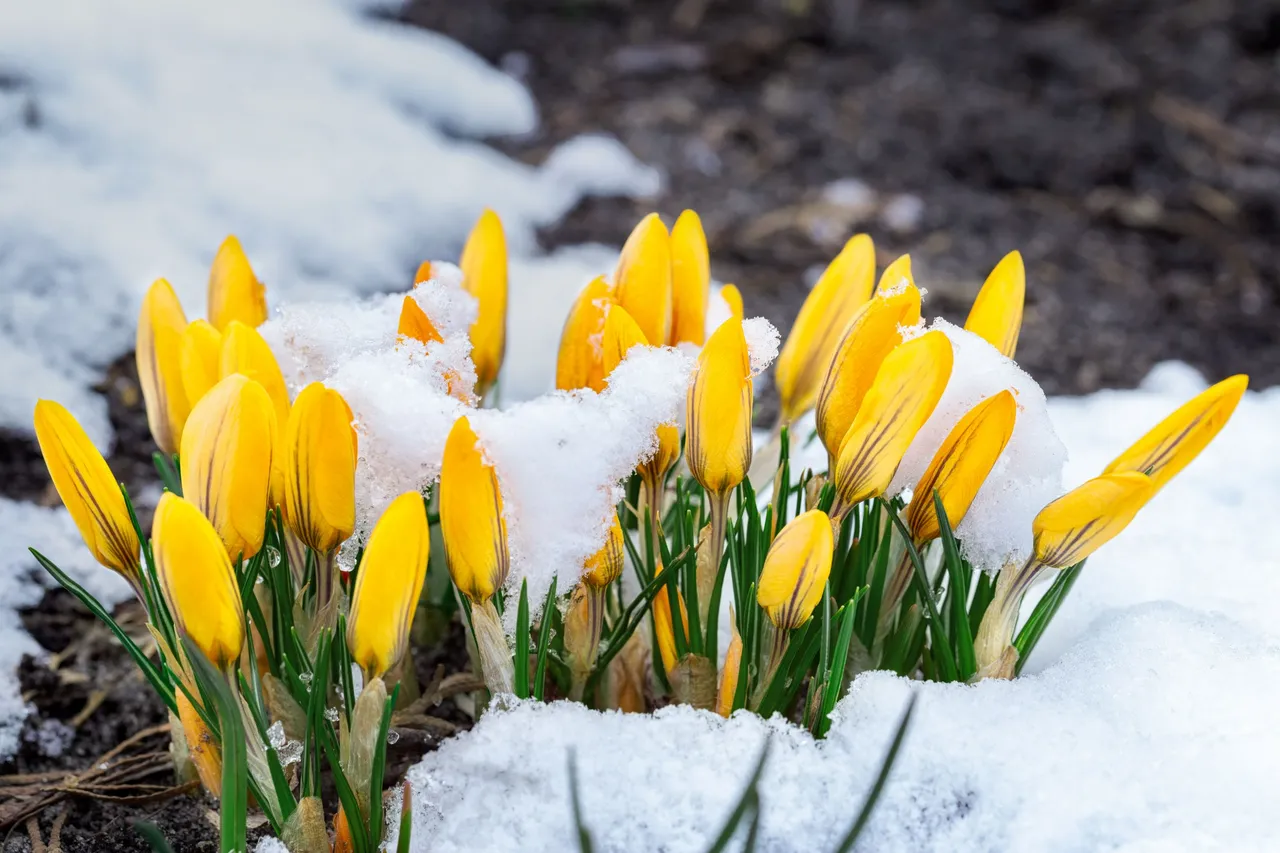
(605,566)
(158,348)
(1087,517)
(718,411)
(796,570)
(319,461)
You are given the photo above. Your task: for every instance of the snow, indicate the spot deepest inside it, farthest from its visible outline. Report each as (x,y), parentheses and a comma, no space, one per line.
(134,136)
(1144,722)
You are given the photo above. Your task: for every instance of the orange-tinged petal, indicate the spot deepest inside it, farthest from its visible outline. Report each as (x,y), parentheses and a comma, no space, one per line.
(423,273)
(718,408)
(319,461)
(1087,517)
(796,570)
(202,747)
(690,281)
(415,324)
(871,336)
(471,520)
(579,362)
(655,468)
(996,315)
(88,489)
(662,626)
(388,585)
(201,356)
(961,465)
(234,291)
(197,579)
(905,391)
(621,333)
(159,355)
(843,288)
(733,298)
(245,351)
(642,280)
(605,566)
(1175,441)
(729,675)
(896,275)
(227,451)
(484,275)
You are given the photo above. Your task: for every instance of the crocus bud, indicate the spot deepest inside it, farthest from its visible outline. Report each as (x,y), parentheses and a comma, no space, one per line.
(415,324)
(664,629)
(471,520)
(227,451)
(201,357)
(796,570)
(621,333)
(718,408)
(642,280)
(1089,516)
(733,298)
(234,291)
(197,579)
(896,275)
(961,465)
(424,273)
(605,566)
(319,453)
(729,675)
(484,275)
(996,315)
(871,336)
(388,585)
(905,391)
(245,351)
(88,489)
(690,281)
(579,361)
(161,323)
(202,749)
(1175,441)
(827,310)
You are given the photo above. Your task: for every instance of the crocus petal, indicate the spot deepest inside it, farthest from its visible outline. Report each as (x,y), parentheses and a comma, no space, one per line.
(579,360)
(642,280)
(996,315)
(896,276)
(201,356)
(423,273)
(388,584)
(484,275)
(605,566)
(415,324)
(718,431)
(319,461)
(245,351)
(663,628)
(234,291)
(796,570)
(690,281)
(159,356)
(1087,517)
(729,675)
(621,333)
(733,298)
(471,519)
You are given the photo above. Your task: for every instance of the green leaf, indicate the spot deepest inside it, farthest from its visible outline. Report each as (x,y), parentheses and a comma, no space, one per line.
(886,767)
(1046,608)
(522,643)
(153,836)
(406,818)
(235,794)
(544,642)
(168,472)
(378,770)
(941,644)
(840,657)
(957,596)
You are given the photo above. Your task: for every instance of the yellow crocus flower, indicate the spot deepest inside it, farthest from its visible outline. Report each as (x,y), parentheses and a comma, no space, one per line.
(871,336)
(796,570)
(733,298)
(897,274)
(664,629)
(1175,441)
(718,431)
(621,333)
(197,579)
(226,456)
(201,356)
(484,275)
(843,288)
(424,273)
(234,291)
(1087,517)
(388,585)
(690,281)
(159,355)
(905,391)
(89,490)
(729,674)
(961,465)
(245,351)
(415,324)
(605,566)
(579,361)
(642,280)
(996,315)
(471,519)
(319,461)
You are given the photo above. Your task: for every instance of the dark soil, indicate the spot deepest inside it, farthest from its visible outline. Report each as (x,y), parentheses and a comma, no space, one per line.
(1129,148)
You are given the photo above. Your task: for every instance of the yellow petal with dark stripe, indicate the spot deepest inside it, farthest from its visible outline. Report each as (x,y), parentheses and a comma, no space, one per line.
(843,288)
(655,467)
(996,315)
(796,570)
(471,520)
(159,356)
(1175,441)
(961,465)
(88,489)
(621,333)
(905,391)
(226,462)
(690,281)
(718,411)
(197,579)
(733,298)
(484,275)
(579,362)
(201,359)
(202,747)
(319,460)
(234,291)
(642,280)
(1087,517)
(870,338)
(388,585)
(605,566)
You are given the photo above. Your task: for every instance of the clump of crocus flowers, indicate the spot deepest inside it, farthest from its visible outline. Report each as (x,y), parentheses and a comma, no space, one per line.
(282,672)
